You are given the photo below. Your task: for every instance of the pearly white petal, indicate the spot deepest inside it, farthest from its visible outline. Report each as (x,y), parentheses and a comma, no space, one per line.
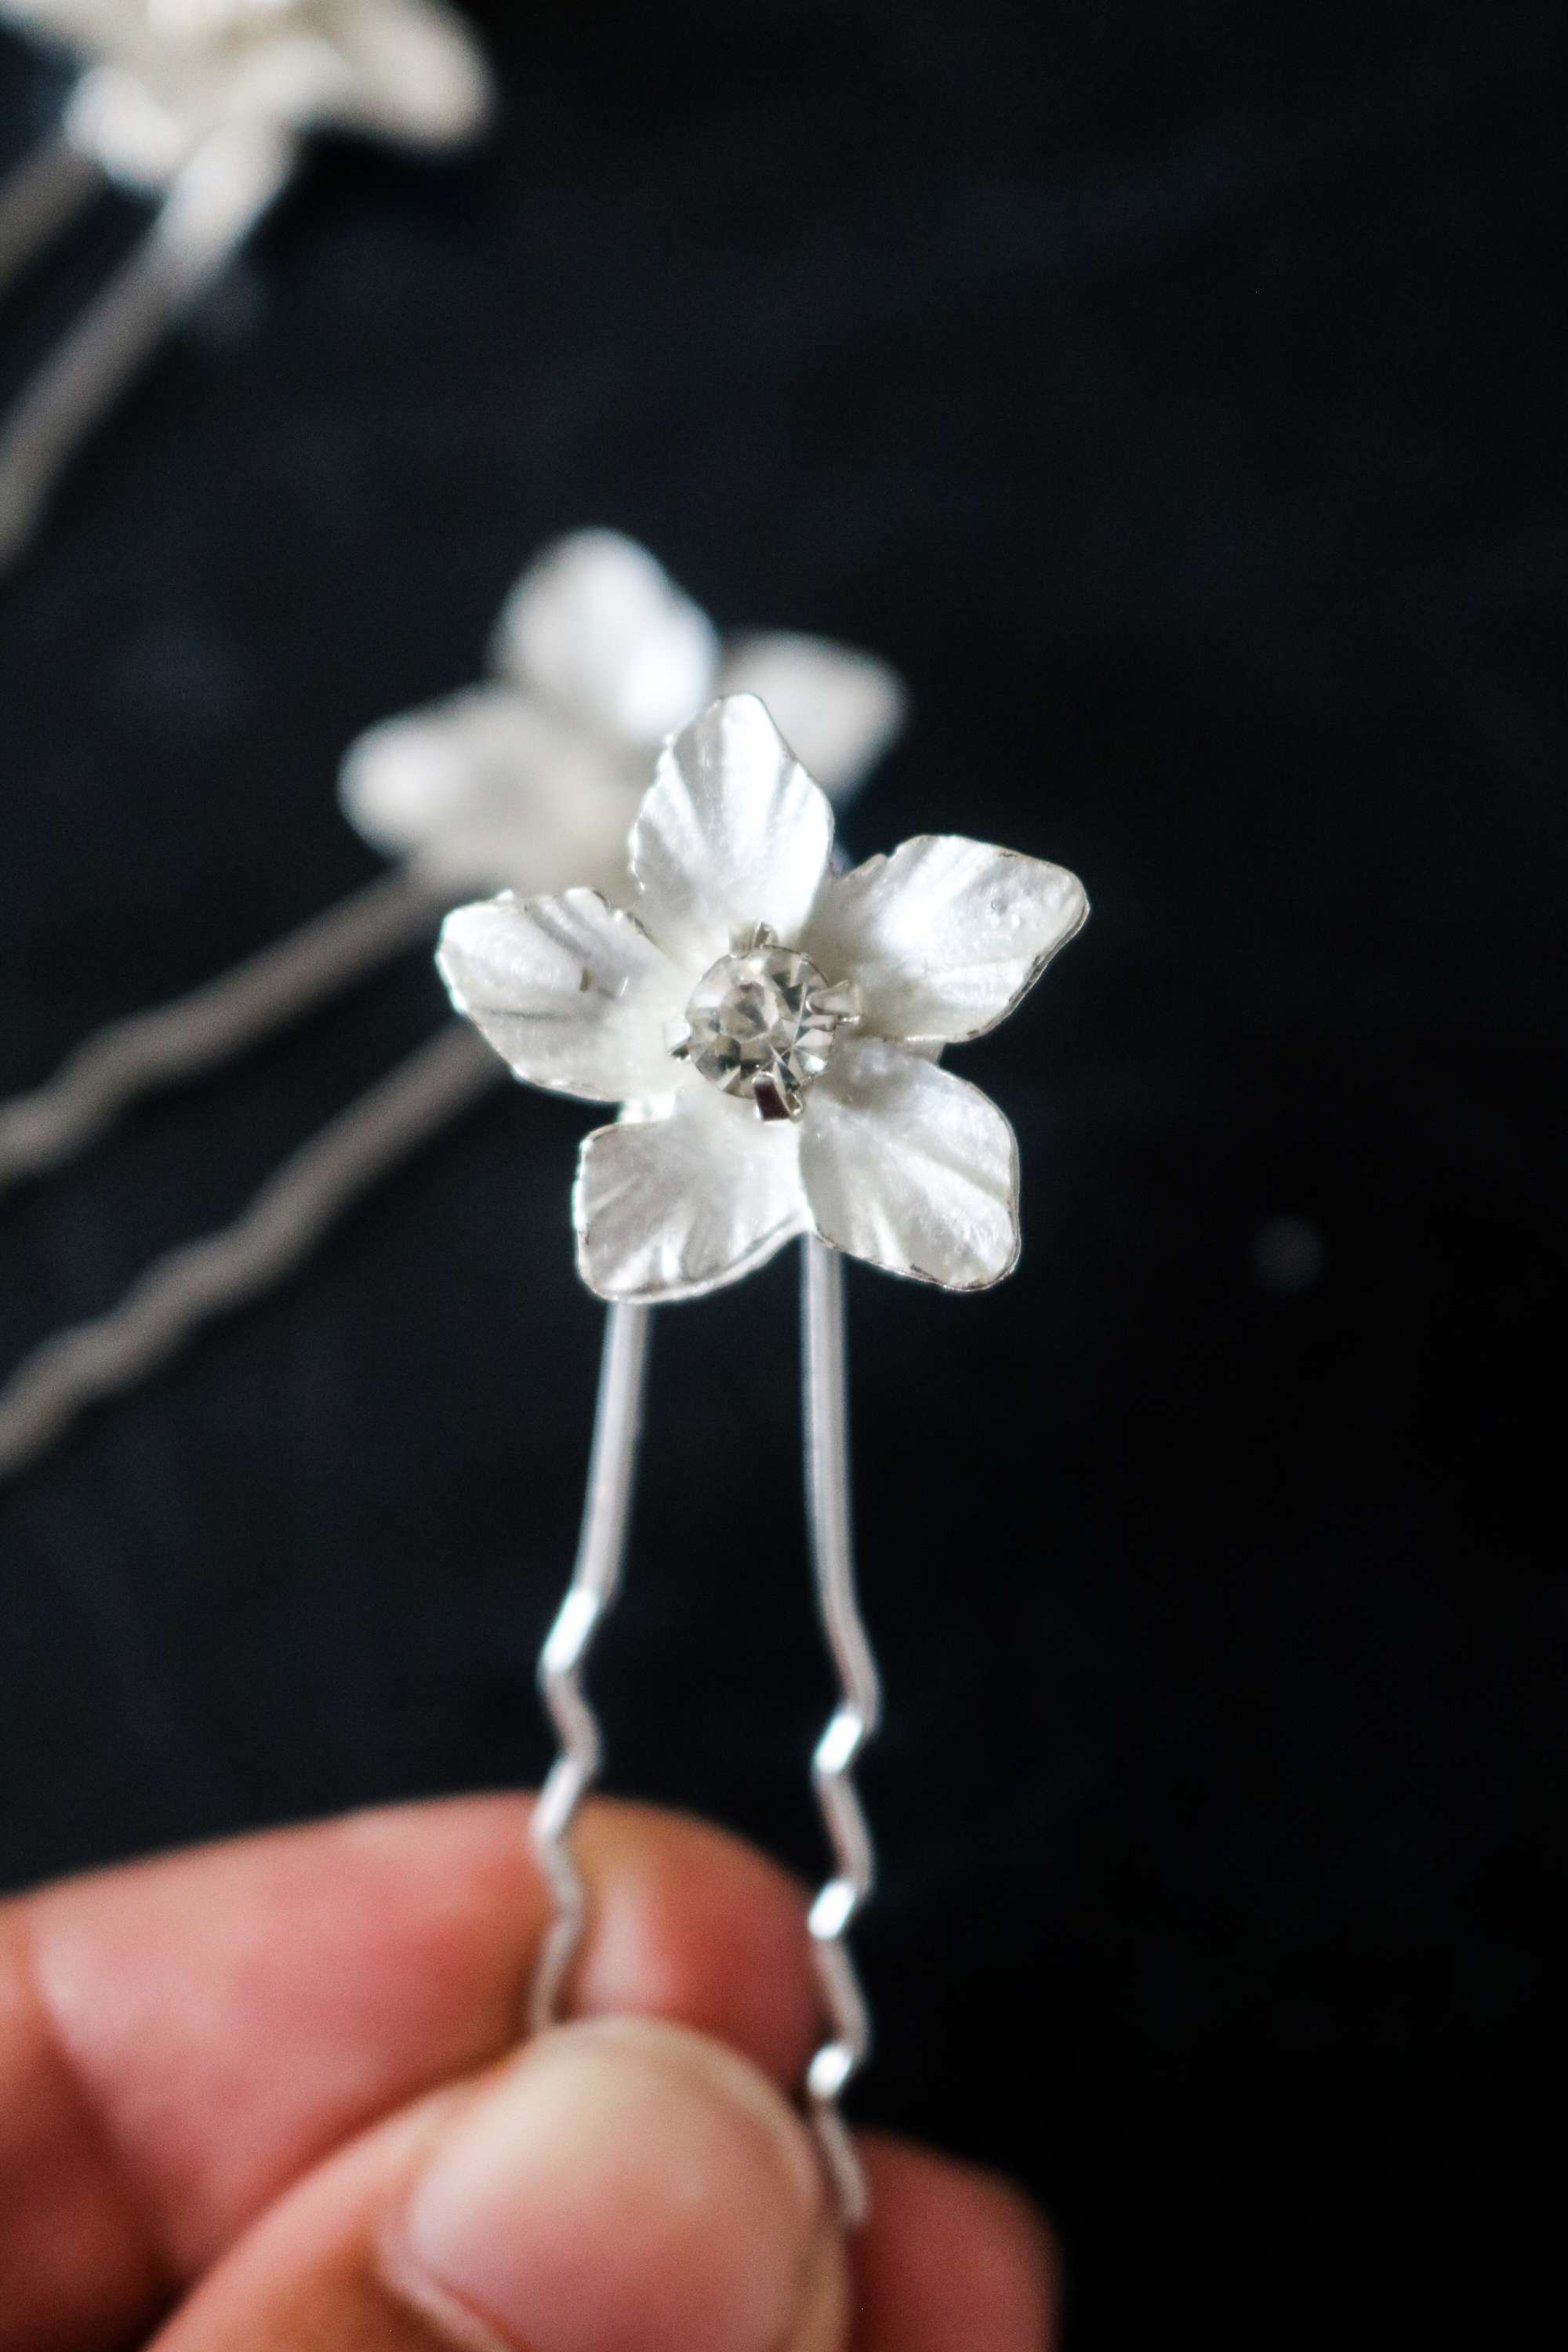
(568,990)
(943,937)
(91,25)
(673,1207)
(490,790)
(599,628)
(733,833)
(403,69)
(417,71)
(910,1167)
(840,708)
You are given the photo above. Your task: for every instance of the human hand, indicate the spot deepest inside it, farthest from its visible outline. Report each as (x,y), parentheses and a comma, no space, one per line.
(265,2097)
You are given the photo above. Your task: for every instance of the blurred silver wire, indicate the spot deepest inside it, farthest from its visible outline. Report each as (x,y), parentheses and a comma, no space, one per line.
(854,1720)
(595,1580)
(214,202)
(192,1286)
(195,1033)
(40,199)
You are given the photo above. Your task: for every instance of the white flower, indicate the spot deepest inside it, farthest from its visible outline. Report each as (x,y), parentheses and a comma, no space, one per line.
(772,1026)
(531,782)
(163,74)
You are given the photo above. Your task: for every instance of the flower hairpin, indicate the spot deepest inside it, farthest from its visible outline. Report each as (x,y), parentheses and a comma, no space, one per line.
(529,781)
(773,1028)
(777,1024)
(203,105)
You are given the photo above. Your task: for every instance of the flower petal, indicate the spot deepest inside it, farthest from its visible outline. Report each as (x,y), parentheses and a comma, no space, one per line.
(417,69)
(910,1167)
(408,69)
(733,833)
(568,990)
(599,628)
(943,937)
(490,790)
(672,1208)
(839,708)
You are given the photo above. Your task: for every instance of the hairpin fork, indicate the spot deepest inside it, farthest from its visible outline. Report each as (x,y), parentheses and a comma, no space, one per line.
(594,1583)
(212,205)
(40,197)
(595,1580)
(171,1043)
(853,1723)
(192,1285)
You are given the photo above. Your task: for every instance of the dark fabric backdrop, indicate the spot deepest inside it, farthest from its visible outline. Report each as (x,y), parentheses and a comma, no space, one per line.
(1163,389)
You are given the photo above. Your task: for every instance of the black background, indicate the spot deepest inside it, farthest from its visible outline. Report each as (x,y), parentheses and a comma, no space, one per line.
(1163,389)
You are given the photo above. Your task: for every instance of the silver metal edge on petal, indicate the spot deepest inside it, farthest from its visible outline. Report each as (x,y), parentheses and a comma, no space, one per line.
(786,1229)
(633,1085)
(1008,1198)
(837,946)
(713,843)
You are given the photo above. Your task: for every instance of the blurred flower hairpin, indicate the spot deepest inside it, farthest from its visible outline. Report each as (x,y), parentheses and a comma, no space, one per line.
(529,781)
(772,1028)
(204,106)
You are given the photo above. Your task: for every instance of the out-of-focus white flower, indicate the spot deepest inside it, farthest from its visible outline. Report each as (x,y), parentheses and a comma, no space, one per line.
(530,781)
(773,1027)
(162,75)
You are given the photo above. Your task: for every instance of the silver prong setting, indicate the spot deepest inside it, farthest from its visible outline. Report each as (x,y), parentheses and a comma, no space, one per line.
(842,1001)
(761,1022)
(778,1096)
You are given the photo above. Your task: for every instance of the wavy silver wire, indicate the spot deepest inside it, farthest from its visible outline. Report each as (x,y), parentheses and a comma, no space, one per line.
(197,1033)
(213,205)
(191,1285)
(854,1720)
(594,1583)
(39,198)
(595,1578)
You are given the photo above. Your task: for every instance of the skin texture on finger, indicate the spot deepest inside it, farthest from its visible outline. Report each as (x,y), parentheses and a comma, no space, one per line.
(306,2276)
(620,2187)
(313,1980)
(952,2259)
(72,2245)
(473,2221)
(182,2040)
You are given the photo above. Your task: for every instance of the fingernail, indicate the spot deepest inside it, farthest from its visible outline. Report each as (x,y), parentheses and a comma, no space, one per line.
(627,2187)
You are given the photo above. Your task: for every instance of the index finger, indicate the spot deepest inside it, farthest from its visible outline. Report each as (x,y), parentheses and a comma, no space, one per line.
(181,2040)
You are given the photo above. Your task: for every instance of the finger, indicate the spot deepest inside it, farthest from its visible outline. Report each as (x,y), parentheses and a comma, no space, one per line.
(626,2187)
(623,2186)
(180,2039)
(952,2259)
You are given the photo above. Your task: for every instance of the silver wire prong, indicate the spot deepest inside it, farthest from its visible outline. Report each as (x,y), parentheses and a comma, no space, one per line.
(192,1285)
(842,1001)
(595,1578)
(213,205)
(195,1033)
(40,198)
(854,1720)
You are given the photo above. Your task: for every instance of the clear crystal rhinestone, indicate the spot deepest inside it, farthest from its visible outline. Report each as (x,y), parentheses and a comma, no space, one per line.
(761,1022)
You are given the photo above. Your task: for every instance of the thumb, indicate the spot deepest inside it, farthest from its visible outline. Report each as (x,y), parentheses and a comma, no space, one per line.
(628,2184)
(622,2185)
